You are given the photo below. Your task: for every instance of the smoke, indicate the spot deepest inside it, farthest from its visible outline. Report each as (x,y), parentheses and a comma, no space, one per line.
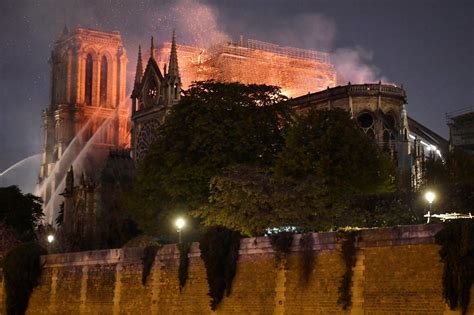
(308,30)
(355,65)
(30,28)
(199,22)
(195,22)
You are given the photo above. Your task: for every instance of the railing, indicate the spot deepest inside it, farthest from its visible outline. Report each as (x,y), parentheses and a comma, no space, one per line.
(256,45)
(353,89)
(288,51)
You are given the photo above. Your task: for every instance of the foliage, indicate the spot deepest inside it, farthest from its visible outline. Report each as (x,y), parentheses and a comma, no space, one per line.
(149,254)
(327,163)
(41,236)
(183,263)
(142,241)
(60,218)
(329,145)
(381,210)
(453,182)
(349,250)
(22,270)
(281,244)
(252,200)
(20,211)
(220,251)
(215,125)
(117,226)
(9,238)
(457,252)
(308,256)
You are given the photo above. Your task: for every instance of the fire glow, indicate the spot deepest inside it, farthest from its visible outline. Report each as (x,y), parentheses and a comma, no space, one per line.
(296,71)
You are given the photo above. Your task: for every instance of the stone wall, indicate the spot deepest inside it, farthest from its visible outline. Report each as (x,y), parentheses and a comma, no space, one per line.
(398,271)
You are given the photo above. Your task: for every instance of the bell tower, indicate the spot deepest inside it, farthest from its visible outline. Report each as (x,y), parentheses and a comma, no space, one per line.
(87,92)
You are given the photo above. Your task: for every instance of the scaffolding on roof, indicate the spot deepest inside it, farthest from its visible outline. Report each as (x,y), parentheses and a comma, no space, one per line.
(299,53)
(253,46)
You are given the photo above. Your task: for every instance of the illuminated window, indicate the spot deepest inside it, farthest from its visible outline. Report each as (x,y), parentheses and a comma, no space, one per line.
(103,81)
(88,95)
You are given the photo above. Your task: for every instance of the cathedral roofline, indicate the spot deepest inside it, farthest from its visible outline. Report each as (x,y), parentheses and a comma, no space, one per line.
(90,34)
(366,89)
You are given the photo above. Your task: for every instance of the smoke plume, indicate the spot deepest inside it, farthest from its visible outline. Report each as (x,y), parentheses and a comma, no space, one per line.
(354,65)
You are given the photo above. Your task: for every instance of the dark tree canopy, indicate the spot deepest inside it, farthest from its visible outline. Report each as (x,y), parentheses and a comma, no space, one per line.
(215,125)
(232,155)
(252,200)
(20,211)
(326,165)
(453,182)
(328,144)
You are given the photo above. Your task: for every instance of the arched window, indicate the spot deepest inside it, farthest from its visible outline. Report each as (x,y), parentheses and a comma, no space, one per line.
(152,93)
(88,83)
(103,81)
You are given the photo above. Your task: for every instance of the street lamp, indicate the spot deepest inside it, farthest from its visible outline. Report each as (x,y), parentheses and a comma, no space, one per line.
(50,239)
(180,224)
(430,197)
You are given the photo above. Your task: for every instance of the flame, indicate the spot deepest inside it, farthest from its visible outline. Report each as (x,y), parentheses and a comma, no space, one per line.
(295,71)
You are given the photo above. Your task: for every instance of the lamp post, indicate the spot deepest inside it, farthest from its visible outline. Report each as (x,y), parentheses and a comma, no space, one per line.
(430,197)
(50,239)
(179,224)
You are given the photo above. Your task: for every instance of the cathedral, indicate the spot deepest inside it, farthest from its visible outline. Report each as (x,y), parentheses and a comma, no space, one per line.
(89,127)
(154,92)
(86,116)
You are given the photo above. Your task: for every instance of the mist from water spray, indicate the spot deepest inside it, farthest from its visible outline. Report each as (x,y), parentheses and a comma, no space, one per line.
(76,141)
(51,206)
(19,163)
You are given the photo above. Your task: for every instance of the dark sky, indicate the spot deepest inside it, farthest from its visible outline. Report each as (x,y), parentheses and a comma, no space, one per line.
(426,45)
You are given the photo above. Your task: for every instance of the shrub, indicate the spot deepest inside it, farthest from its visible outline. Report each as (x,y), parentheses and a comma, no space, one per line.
(220,252)
(149,254)
(457,252)
(308,256)
(22,270)
(349,251)
(183,263)
(281,243)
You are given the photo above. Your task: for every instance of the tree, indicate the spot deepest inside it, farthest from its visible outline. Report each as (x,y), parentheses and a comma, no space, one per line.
(251,200)
(452,180)
(215,125)
(328,144)
(323,178)
(20,211)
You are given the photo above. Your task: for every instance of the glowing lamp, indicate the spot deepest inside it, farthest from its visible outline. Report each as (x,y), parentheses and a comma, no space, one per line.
(430,197)
(50,238)
(180,223)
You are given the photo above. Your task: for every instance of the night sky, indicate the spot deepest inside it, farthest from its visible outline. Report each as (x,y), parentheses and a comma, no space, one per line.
(428,46)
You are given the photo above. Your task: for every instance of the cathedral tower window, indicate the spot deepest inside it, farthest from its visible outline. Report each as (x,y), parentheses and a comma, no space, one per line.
(151,95)
(103,81)
(88,87)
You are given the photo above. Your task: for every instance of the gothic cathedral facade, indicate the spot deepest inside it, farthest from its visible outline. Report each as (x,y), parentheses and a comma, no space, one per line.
(154,93)
(87,90)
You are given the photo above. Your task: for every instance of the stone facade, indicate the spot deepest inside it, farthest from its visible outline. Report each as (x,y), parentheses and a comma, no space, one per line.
(398,271)
(154,93)
(88,71)
(461,129)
